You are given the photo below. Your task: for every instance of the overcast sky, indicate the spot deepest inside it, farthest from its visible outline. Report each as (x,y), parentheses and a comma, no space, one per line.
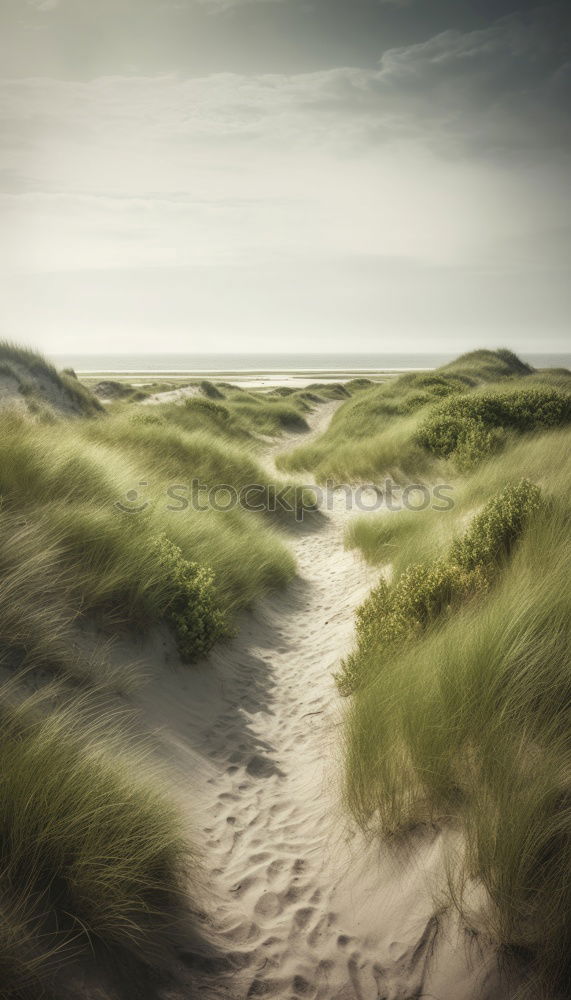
(205,175)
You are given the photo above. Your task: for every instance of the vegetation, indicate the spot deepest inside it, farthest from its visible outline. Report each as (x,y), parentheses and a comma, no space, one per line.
(394,429)
(67,486)
(44,388)
(192,608)
(210,390)
(93,854)
(99,519)
(459,679)
(396,613)
(459,695)
(472,426)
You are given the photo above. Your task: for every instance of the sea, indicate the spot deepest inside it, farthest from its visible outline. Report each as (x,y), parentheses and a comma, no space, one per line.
(257,363)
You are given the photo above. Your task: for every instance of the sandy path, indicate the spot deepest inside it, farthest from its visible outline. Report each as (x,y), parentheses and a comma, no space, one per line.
(303,909)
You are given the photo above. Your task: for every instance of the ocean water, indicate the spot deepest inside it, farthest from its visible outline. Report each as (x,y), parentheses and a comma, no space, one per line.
(260,362)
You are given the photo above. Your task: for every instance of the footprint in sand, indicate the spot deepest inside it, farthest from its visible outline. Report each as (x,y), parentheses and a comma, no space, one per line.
(262,767)
(275,868)
(303,917)
(294,894)
(227,797)
(268,905)
(301,986)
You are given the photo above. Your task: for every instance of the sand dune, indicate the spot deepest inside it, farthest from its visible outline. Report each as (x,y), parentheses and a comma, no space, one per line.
(302,906)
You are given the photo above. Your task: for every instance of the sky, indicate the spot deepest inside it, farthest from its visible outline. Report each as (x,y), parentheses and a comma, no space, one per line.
(285,175)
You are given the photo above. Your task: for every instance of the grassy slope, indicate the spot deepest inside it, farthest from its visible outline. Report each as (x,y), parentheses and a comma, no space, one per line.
(373,434)
(93,856)
(467,717)
(66,485)
(44,389)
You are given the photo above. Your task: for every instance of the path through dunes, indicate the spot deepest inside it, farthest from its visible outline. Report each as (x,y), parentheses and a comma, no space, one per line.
(302,907)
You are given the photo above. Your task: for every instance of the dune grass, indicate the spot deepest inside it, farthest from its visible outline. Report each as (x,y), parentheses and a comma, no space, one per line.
(95,861)
(461,701)
(44,388)
(380,431)
(397,613)
(471,722)
(94,857)
(99,521)
(400,537)
(67,485)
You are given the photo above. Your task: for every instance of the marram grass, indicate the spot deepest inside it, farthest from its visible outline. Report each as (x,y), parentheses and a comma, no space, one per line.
(93,854)
(461,711)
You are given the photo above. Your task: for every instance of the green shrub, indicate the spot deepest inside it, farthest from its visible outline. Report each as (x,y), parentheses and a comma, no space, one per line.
(494,530)
(476,444)
(397,613)
(394,614)
(192,607)
(146,416)
(470,423)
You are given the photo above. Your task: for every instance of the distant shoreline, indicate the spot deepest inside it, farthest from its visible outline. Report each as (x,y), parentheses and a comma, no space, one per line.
(258,363)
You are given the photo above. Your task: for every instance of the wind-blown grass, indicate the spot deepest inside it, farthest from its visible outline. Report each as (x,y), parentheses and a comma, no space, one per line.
(46,390)
(93,853)
(67,485)
(94,858)
(379,431)
(472,722)
(403,610)
(461,700)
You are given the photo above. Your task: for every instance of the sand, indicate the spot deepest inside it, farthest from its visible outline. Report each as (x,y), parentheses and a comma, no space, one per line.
(302,907)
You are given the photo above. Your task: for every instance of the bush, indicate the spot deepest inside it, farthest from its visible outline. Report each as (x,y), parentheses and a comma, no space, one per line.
(494,530)
(470,424)
(475,445)
(192,607)
(394,614)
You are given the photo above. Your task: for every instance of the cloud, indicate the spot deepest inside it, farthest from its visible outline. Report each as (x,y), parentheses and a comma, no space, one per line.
(508,84)
(219,6)
(431,174)
(502,90)
(44,5)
